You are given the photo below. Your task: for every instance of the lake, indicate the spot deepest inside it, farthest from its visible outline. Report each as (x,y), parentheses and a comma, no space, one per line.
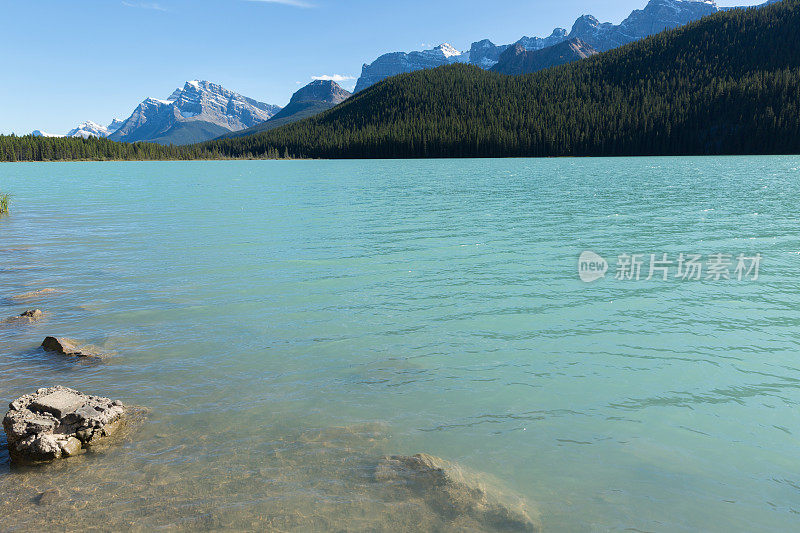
(287,323)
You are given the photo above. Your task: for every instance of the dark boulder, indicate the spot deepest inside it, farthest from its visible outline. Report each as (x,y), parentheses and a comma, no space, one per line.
(28,317)
(70,347)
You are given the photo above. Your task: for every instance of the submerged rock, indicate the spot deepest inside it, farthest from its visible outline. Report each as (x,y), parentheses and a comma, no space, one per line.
(28,317)
(453,494)
(71,347)
(47,497)
(35,294)
(58,422)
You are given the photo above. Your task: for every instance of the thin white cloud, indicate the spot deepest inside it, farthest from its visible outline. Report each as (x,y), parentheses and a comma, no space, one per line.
(338,78)
(293,3)
(144,5)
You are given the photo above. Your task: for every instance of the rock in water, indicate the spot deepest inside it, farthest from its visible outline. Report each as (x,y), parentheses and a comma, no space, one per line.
(28,317)
(70,347)
(48,497)
(34,294)
(447,490)
(58,422)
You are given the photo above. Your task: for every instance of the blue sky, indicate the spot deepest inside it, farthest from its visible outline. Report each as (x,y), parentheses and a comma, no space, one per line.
(71,61)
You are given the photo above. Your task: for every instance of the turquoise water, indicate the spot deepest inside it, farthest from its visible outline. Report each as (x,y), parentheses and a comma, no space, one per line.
(287,322)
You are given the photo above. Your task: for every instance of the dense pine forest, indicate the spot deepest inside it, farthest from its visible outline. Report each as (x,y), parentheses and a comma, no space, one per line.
(30,148)
(727,84)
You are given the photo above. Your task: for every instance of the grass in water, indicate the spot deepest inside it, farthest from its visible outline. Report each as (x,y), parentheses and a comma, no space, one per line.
(4,201)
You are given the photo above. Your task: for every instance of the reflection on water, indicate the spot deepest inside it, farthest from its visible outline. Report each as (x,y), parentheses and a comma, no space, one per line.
(287,324)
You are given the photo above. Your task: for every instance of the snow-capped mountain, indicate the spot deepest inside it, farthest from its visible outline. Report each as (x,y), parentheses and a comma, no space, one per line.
(657,16)
(40,133)
(85,130)
(401,62)
(92,129)
(200,111)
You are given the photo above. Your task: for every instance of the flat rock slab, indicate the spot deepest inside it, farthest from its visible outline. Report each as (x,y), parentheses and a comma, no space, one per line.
(71,347)
(58,403)
(58,422)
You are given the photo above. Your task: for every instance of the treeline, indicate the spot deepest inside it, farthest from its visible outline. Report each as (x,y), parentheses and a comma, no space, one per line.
(727,84)
(29,148)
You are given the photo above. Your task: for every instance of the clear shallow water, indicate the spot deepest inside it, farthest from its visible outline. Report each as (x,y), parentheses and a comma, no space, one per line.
(288,322)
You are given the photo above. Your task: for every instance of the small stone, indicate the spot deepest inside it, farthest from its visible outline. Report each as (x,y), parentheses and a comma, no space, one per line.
(41,424)
(59,403)
(71,446)
(83,415)
(33,314)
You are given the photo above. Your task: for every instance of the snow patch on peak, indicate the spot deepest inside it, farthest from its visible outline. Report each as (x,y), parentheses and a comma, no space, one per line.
(156,101)
(89,129)
(448,50)
(39,133)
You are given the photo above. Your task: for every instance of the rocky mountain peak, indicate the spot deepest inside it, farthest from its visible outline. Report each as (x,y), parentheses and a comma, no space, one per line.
(327,91)
(517,60)
(208,107)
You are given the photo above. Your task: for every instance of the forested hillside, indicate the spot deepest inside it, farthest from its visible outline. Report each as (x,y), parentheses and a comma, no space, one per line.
(727,84)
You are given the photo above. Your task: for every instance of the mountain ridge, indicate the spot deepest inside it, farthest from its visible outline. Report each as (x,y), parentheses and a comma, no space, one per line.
(656,16)
(200,111)
(517,60)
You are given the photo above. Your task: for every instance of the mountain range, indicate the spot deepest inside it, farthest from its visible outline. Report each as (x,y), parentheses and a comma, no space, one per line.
(657,16)
(85,130)
(202,110)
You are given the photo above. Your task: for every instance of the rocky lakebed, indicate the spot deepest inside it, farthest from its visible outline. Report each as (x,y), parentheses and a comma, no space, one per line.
(53,434)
